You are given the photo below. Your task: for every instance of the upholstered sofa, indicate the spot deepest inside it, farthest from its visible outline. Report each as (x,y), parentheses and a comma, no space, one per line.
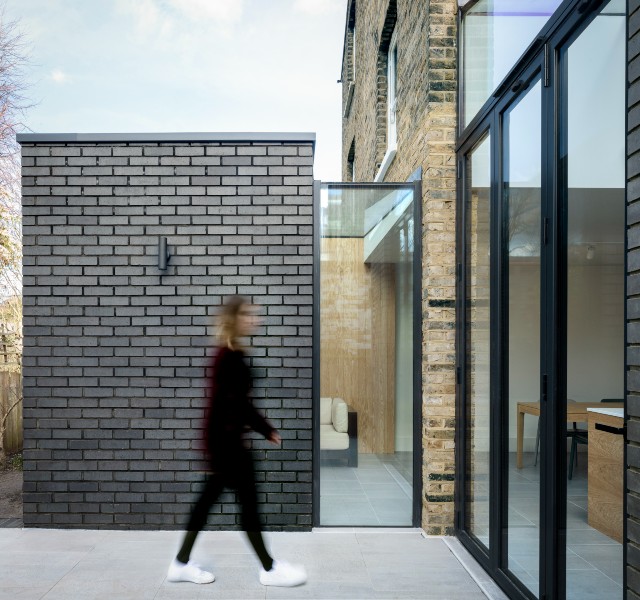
(338,431)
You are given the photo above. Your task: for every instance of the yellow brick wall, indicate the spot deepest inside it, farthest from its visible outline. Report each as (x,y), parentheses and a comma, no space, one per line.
(426,117)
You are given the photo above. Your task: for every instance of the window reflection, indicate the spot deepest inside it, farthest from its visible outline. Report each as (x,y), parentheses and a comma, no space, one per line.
(595,196)
(477,208)
(495,33)
(522,190)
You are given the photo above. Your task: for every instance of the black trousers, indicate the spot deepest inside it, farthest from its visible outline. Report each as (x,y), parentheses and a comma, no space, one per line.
(237,474)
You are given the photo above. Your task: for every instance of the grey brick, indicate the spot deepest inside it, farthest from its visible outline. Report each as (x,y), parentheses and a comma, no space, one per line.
(127,151)
(195,150)
(282,151)
(220,150)
(298,161)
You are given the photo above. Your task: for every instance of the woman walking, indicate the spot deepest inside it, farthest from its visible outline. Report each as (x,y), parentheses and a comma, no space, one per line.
(230,413)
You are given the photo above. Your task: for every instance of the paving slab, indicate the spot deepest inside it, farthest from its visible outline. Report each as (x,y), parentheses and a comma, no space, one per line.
(342,563)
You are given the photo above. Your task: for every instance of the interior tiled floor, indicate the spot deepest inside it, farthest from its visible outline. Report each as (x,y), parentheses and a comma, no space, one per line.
(594,560)
(377,492)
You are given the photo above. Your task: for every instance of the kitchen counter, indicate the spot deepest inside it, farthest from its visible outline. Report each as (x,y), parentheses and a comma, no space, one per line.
(606,470)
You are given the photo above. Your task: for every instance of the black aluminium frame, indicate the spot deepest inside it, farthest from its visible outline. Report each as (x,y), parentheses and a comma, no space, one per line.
(415,184)
(544,59)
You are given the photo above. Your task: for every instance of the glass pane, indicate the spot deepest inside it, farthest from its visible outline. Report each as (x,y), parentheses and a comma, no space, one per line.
(495,33)
(595,67)
(522,180)
(366,355)
(478,218)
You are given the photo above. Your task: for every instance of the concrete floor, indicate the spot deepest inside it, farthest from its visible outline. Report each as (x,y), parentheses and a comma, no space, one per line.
(341,563)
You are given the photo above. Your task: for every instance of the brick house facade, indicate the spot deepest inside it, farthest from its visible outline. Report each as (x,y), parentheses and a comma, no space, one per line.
(426,129)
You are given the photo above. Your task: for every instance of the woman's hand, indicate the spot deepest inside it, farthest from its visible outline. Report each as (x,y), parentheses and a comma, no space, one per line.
(275,438)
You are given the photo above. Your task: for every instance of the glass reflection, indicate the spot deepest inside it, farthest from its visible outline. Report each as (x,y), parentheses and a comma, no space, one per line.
(495,33)
(478,219)
(522,194)
(595,186)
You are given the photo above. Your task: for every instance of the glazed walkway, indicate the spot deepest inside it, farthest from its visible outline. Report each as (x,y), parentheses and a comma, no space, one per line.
(341,563)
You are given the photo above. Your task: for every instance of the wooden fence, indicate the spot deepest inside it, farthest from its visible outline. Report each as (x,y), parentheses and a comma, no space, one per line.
(11,410)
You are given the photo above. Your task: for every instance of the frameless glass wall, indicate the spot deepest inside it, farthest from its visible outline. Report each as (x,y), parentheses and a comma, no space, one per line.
(366,354)
(595,194)
(495,33)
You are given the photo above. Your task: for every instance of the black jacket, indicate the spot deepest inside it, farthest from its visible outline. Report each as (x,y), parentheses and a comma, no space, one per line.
(230,410)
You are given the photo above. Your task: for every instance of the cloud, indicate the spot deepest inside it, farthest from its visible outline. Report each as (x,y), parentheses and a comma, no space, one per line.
(163,18)
(318,7)
(59,76)
(220,11)
(148,16)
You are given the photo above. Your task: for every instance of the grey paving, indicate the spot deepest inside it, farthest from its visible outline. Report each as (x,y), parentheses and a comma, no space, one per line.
(345,563)
(377,492)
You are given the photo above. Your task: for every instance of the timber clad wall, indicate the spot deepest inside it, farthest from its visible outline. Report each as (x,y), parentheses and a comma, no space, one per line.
(426,129)
(633,306)
(114,349)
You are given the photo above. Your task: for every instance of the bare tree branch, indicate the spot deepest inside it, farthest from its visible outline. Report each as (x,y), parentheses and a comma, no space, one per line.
(13,106)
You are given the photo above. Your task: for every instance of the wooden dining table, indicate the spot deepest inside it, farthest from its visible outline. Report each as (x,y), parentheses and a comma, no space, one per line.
(576,412)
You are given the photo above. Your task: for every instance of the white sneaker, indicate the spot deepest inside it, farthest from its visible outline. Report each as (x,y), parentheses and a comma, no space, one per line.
(283,574)
(190,572)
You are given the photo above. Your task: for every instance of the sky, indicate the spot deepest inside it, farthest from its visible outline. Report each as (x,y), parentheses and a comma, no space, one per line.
(100,66)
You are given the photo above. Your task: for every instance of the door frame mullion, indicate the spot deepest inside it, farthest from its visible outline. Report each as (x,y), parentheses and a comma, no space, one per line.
(552,349)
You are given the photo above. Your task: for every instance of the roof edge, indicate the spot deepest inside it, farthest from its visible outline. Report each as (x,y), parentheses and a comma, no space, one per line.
(344,39)
(103,138)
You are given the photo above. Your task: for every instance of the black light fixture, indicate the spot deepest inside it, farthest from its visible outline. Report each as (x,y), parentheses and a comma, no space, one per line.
(163,253)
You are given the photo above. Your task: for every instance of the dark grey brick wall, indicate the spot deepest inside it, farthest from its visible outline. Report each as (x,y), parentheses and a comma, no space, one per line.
(114,349)
(633,306)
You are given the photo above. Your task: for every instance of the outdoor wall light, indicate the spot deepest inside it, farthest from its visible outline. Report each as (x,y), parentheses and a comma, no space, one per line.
(163,253)
(591,252)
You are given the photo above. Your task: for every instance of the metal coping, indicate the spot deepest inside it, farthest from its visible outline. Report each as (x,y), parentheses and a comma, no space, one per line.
(104,138)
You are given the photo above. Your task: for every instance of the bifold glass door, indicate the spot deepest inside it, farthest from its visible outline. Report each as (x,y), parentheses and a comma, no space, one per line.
(541,246)
(367,381)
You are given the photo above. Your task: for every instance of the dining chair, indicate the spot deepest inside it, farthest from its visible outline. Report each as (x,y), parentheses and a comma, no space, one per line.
(578,436)
(575,428)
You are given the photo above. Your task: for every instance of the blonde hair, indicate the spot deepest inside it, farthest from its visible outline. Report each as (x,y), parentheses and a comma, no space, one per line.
(228,321)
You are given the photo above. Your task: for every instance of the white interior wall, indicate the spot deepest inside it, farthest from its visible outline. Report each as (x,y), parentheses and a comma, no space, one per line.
(524,346)
(595,339)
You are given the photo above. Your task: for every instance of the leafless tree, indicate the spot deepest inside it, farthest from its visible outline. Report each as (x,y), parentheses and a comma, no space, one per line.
(13,105)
